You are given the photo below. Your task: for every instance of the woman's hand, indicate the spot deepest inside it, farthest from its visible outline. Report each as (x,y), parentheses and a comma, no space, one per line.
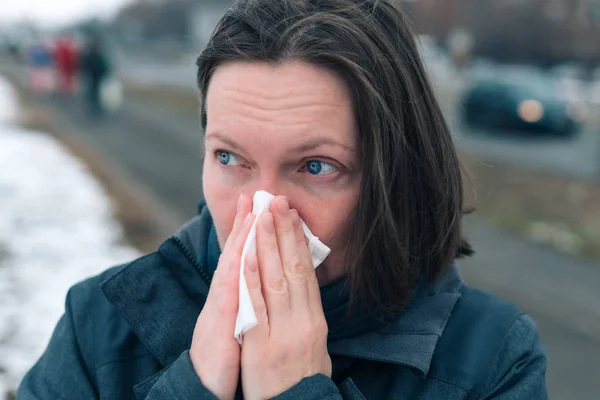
(215,353)
(290,341)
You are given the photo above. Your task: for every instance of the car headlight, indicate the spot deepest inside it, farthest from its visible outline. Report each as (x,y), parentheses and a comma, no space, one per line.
(530,110)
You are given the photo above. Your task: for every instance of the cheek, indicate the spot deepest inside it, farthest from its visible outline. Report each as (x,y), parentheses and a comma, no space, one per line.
(221,201)
(330,220)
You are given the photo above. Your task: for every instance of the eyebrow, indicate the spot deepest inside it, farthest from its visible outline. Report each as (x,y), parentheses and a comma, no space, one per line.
(304,147)
(313,144)
(224,139)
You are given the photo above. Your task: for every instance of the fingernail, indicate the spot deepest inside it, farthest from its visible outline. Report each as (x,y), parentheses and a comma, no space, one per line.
(267,222)
(282,206)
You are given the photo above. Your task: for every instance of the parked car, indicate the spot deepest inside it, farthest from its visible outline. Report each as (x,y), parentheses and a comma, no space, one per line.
(521,103)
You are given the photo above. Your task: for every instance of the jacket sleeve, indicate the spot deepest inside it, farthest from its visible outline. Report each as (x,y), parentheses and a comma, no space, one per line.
(179,381)
(519,368)
(61,371)
(316,387)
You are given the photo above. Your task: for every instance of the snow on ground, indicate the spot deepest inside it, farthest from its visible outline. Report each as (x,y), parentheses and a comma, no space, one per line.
(56,229)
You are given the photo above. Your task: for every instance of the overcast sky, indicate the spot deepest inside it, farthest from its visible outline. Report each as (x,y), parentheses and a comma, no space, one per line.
(56,12)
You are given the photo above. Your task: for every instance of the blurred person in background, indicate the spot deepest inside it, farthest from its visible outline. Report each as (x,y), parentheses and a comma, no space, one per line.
(95,69)
(325,104)
(66,60)
(41,68)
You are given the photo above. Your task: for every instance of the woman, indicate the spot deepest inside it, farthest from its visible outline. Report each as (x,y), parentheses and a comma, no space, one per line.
(325,104)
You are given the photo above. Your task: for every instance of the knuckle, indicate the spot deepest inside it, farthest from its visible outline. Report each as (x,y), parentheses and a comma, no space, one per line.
(296,269)
(278,284)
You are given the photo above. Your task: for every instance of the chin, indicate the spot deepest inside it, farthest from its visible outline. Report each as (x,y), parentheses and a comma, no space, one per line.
(330,271)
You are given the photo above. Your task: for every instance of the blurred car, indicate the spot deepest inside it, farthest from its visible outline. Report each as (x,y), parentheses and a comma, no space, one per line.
(521,103)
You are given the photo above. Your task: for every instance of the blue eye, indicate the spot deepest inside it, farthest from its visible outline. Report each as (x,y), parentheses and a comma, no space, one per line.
(316,167)
(227,158)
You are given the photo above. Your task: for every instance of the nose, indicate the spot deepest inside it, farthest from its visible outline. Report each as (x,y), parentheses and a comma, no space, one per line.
(269,182)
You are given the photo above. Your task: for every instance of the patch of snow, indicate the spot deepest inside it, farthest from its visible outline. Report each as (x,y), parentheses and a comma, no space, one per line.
(57,229)
(8,104)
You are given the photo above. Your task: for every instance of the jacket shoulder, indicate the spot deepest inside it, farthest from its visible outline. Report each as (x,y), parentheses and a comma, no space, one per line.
(102,333)
(482,332)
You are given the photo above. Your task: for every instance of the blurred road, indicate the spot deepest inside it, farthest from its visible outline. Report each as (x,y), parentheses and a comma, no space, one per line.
(162,151)
(578,156)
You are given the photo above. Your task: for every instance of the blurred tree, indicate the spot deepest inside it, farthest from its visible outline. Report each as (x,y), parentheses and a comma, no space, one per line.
(543,31)
(156,19)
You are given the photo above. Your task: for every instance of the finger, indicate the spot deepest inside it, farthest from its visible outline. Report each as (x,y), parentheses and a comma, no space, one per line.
(312,284)
(258,301)
(224,289)
(244,206)
(294,269)
(274,284)
(235,241)
(223,296)
(237,233)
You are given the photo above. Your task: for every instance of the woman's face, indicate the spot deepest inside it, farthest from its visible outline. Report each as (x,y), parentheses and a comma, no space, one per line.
(288,129)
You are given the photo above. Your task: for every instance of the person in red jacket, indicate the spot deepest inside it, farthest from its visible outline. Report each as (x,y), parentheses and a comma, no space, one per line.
(66,59)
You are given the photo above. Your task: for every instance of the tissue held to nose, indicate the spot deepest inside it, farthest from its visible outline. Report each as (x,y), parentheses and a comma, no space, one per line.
(246,318)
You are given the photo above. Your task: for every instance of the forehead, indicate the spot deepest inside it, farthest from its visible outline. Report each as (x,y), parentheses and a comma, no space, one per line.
(270,81)
(292,93)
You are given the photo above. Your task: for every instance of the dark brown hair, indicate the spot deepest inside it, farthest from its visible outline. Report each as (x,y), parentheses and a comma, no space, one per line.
(407,224)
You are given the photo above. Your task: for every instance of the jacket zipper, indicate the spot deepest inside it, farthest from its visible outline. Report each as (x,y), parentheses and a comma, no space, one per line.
(182,247)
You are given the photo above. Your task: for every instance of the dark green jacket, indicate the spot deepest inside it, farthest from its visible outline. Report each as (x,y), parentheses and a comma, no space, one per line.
(126,334)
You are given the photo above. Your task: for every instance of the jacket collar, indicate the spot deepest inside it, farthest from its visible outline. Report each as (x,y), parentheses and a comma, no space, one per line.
(161,296)
(410,339)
